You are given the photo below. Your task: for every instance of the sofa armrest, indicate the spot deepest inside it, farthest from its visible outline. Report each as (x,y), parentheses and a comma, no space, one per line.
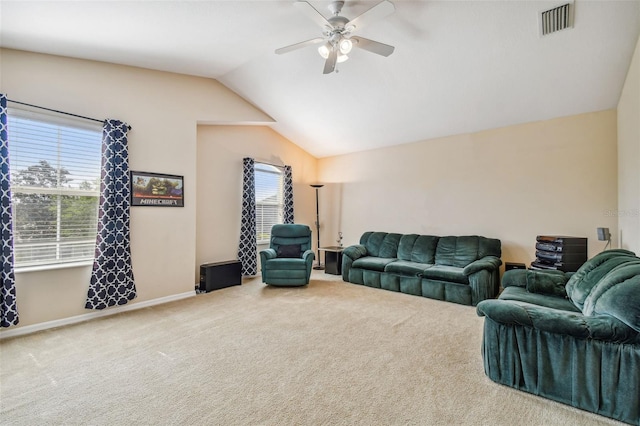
(350,254)
(308,257)
(265,255)
(515,313)
(487,262)
(355,252)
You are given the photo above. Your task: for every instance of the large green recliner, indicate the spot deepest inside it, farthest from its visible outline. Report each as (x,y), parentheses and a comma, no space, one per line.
(289,260)
(573,338)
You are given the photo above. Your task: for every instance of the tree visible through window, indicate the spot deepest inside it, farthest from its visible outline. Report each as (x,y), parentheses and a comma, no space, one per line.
(55,183)
(269,200)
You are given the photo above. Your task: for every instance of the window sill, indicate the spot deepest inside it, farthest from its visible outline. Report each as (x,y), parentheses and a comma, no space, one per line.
(39,268)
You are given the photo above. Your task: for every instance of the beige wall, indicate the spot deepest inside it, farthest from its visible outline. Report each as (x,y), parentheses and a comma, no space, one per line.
(163,109)
(551,177)
(629,157)
(219,198)
(556,176)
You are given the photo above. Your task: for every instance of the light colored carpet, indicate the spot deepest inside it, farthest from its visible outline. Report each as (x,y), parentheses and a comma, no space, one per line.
(331,353)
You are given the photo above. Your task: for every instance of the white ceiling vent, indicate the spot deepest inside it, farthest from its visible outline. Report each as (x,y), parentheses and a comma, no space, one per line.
(556,19)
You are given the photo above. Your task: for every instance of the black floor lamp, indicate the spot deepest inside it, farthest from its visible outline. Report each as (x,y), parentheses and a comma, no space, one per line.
(317,186)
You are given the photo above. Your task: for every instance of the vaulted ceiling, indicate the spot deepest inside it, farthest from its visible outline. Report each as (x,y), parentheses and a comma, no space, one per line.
(458,66)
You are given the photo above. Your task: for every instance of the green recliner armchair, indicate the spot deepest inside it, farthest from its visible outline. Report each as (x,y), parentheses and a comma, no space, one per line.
(289,260)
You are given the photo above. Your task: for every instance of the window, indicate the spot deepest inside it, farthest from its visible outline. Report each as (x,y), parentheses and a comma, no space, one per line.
(55,184)
(269,199)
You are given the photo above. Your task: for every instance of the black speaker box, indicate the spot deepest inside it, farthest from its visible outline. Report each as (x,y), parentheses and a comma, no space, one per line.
(214,276)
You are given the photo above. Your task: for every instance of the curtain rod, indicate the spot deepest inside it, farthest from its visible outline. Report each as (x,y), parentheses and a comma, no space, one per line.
(60,112)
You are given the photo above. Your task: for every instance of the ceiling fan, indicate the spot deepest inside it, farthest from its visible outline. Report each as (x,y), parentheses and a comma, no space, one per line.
(337,32)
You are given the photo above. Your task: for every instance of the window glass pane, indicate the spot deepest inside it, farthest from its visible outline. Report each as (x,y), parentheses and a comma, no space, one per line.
(55,182)
(269,200)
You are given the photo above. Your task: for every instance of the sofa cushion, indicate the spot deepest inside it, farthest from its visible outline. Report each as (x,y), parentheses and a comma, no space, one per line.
(285,263)
(489,247)
(381,244)
(546,283)
(389,247)
(418,248)
(373,263)
(461,251)
(457,251)
(405,246)
(617,295)
(592,271)
(446,273)
(372,241)
(521,294)
(424,249)
(404,267)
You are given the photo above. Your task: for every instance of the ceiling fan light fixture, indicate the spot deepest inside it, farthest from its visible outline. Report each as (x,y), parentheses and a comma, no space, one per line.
(337,32)
(345,46)
(324,51)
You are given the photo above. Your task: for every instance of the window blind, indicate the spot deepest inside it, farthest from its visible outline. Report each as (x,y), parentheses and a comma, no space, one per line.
(269,200)
(55,183)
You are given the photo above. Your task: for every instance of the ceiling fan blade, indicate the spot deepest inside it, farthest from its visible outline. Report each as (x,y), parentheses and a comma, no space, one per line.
(300,45)
(312,12)
(330,63)
(373,46)
(379,11)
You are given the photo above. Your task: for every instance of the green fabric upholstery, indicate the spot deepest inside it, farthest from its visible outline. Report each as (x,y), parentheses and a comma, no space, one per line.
(381,244)
(461,251)
(373,263)
(405,246)
(543,283)
(488,262)
(617,295)
(417,248)
(589,374)
(403,267)
(581,349)
(446,273)
(591,272)
(456,269)
(287,271)
(521,294)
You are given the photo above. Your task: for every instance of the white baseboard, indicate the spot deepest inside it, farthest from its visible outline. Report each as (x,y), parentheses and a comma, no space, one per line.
(28,329)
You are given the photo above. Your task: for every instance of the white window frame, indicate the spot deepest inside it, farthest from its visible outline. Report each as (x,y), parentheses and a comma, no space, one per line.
(68,251)
(269,196)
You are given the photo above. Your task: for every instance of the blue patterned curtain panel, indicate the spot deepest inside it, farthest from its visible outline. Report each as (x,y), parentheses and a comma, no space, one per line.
(8,307)
(288,196)
(112,275)
(247,249)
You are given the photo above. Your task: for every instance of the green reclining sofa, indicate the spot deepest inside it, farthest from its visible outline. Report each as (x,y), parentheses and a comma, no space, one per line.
(572,338)
(461,269)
